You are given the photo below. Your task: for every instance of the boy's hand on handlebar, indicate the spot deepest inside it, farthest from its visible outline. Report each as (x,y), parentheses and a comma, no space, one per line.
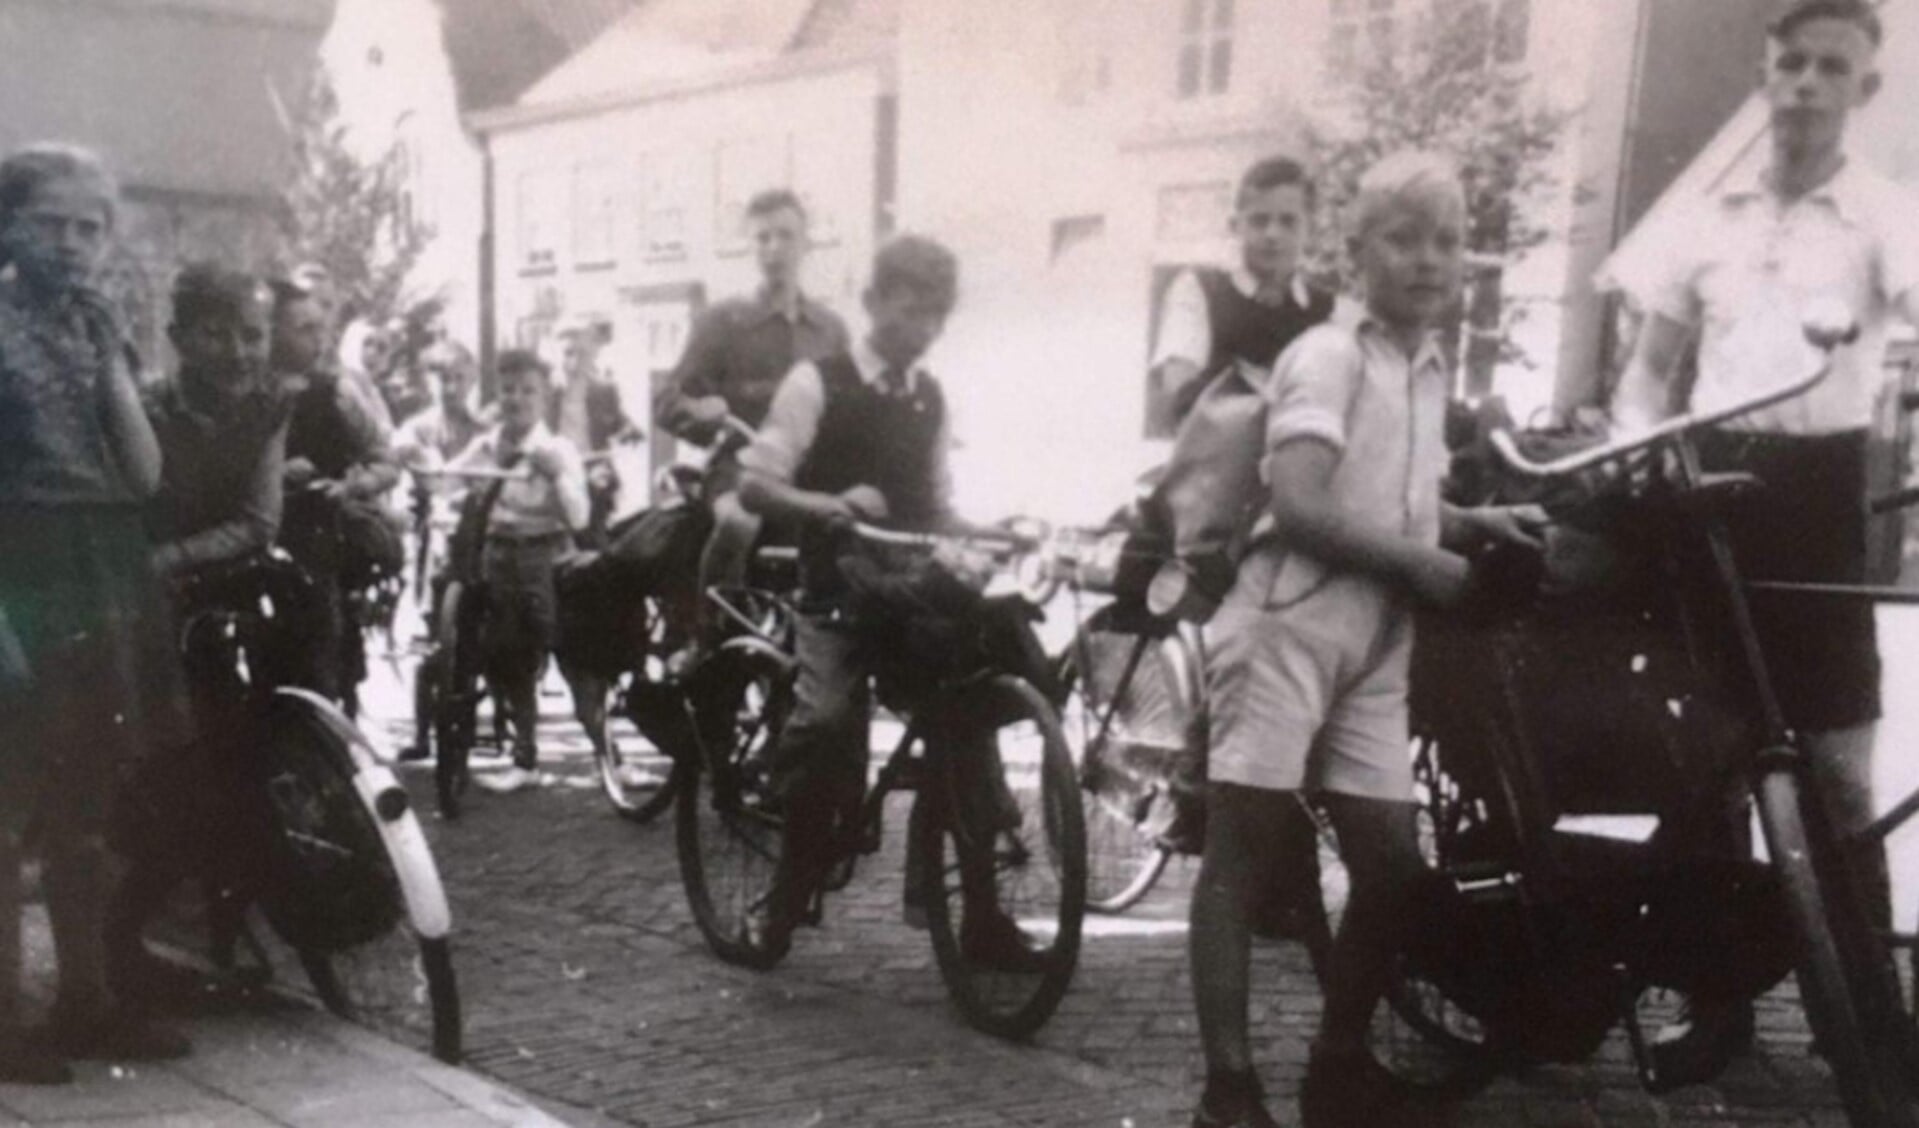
(1511,524)
(867,503)
(299,471)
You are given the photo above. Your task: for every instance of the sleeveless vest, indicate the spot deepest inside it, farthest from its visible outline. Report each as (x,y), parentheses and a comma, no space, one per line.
(868,437)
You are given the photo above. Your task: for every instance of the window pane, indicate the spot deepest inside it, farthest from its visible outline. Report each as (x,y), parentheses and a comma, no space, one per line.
(1344,8)
(1342,50)
(1195,16)
(1222,14)
(1514,26)
(1220,74)
(1379,5)
(1189,70)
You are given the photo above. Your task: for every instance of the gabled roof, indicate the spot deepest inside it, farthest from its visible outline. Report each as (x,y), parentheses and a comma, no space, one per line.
(183,95)
(664,42)
(499,48)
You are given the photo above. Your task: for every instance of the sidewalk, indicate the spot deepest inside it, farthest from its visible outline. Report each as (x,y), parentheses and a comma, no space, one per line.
(272,1064)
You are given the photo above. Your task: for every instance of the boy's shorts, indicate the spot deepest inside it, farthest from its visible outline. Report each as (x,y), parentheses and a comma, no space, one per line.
(1306,689)
(522,606)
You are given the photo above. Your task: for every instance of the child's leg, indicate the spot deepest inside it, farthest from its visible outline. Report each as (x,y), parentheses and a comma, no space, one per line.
(821,753)
(1239,866)
(76,877)
(1379,845)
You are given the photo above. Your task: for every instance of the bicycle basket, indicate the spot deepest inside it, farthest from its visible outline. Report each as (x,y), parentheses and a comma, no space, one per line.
(333,886)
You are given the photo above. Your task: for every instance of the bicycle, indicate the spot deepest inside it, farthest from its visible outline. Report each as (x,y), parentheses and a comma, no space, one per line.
(308,824)
(730,830)
(1560,931)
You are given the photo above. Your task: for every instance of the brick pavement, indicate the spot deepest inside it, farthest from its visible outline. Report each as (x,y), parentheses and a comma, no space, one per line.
(587,983)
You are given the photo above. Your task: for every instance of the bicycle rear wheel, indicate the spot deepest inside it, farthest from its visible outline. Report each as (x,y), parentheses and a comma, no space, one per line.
(639,801)
(1869,1073)
(355,892)
(1126,715)
(990,863)
(727,835)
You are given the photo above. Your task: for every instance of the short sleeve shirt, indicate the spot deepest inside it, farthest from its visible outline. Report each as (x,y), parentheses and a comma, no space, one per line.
(1752,267)
(1347,384)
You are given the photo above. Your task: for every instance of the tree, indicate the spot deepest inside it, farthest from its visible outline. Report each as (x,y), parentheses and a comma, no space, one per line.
(1456,87)
(348,213)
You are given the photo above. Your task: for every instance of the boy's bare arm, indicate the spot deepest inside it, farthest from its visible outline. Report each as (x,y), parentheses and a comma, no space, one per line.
(768,496)
(1644,395)
(1311,520)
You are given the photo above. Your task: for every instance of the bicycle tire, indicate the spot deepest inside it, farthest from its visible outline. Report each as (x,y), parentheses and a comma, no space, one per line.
(1871,967)
(727,840)
(1125,858)
(1872,1098)
(1006,1002)
(634,804)
(455,704)
(389,965)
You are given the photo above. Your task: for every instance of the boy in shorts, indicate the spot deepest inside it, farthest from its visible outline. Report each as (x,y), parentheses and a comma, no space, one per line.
(531,525)
(1307,658)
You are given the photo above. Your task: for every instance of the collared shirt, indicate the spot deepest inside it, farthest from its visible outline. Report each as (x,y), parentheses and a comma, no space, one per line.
(54,445)
(1752,266)
(793,420)
(531,505)
(1186,325)
(1348,384)
(220,495)
(739,350)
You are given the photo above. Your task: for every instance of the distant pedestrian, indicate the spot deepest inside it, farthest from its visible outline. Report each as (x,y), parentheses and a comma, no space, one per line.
(739,351)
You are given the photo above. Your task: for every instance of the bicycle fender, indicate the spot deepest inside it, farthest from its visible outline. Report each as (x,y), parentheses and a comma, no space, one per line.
(759,647)
(386,803)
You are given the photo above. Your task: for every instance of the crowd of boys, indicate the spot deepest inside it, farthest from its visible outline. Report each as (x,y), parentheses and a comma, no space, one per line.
(1306,661)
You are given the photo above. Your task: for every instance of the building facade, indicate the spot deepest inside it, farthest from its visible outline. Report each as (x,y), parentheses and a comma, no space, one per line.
(187,100)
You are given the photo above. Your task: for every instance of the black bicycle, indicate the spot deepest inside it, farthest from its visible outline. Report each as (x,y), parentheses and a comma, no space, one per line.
(301,818)
(1028,862)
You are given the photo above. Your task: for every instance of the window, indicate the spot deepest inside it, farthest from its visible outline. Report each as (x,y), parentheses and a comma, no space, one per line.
(539,237)
(1512,27)
(743,169)
(664,185)
(596,188)
(1205,48)
(1361,32)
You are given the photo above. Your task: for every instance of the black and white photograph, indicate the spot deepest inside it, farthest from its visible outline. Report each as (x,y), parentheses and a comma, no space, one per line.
(959,563)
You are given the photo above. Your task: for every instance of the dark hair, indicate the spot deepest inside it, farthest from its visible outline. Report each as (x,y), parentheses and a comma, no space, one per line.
(208,289)
(1271,173)
(916,263)
(523,360)
(1858,13)
(774,200)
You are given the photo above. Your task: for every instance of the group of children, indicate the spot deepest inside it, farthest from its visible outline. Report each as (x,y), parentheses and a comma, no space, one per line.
(1306,659)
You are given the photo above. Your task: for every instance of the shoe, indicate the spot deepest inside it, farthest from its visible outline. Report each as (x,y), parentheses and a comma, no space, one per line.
(1699,1045)
(632,777)
(1186,834)
(506,782)
(998,944)
(413,754)
(118,1035)
(1351,1089)
(22,1063)
(1233,1101)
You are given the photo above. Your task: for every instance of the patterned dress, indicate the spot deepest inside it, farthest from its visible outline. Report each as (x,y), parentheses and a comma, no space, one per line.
(93,677)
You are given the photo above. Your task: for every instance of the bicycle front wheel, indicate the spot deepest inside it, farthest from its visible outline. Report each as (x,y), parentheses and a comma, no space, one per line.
(355,890)
(1000,842)
(1871,1086)
(727,833)
(1126,714)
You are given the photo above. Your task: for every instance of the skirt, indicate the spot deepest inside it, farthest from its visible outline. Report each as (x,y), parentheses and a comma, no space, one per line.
(96,680)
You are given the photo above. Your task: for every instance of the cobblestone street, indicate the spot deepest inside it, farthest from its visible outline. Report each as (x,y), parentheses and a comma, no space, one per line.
(586,983)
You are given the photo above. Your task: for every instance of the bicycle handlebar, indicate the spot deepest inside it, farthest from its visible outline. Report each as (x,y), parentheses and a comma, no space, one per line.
(1824,332)
(899,539)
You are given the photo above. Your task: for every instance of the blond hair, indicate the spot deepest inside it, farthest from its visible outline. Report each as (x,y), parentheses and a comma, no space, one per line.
(1408,177)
